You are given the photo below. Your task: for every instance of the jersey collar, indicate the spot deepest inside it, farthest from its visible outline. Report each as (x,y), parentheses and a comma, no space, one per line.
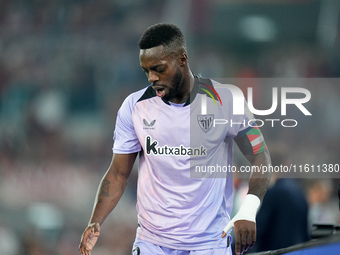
(199,81)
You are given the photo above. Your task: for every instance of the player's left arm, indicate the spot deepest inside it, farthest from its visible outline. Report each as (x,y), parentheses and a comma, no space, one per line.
(258,182)
(253,147)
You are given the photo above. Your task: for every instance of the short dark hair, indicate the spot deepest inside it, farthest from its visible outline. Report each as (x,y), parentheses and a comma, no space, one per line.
(168,35)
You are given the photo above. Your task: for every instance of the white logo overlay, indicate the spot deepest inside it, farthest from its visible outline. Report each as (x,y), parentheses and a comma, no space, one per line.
(294,97)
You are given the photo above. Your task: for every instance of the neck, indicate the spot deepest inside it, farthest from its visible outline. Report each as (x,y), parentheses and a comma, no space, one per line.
(188,85)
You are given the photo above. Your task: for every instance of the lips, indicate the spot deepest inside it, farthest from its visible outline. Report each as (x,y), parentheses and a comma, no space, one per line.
(160,90)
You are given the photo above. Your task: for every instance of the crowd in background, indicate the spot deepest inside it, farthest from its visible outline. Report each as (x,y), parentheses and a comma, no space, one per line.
(65,68)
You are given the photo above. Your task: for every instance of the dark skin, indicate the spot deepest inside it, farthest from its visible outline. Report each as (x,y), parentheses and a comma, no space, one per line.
(245,231)
(161,67)
(109,193)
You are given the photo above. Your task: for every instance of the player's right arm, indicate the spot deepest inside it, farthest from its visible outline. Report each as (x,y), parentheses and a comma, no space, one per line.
(109,192)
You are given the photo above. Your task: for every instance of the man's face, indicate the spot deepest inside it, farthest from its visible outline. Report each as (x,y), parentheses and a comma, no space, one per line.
(163,72)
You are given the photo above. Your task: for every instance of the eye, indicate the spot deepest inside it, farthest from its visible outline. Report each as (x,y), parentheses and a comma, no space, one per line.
(160,70)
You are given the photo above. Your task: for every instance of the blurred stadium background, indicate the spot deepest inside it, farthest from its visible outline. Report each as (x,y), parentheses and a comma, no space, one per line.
(66,65)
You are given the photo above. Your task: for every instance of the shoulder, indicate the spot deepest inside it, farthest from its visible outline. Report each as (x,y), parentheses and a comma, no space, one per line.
(216,89)
(142,94)
(227,89)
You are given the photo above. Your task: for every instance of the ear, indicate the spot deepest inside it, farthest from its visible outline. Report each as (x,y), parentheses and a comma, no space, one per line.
(183,59)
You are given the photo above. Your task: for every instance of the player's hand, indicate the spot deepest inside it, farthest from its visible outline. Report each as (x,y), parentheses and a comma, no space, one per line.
(245,234)
(244,224)
(89,239)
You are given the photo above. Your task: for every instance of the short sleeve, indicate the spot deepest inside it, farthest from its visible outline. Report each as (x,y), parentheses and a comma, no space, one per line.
(242,122)
(125,138)
(235,108)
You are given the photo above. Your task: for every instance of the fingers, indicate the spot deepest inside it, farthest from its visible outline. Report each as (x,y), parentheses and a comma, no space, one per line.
(227,228)
(89,239)
(237,242)
(83,251)
(245,236)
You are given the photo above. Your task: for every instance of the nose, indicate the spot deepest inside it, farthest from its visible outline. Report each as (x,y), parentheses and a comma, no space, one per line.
(152,77)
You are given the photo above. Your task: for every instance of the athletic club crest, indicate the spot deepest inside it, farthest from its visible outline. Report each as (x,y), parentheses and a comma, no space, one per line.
(205,121)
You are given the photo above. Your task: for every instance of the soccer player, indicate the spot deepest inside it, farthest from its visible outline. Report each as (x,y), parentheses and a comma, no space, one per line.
(185,188)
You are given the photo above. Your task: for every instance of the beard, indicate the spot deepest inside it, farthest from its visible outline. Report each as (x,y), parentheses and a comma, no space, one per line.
(175,89)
